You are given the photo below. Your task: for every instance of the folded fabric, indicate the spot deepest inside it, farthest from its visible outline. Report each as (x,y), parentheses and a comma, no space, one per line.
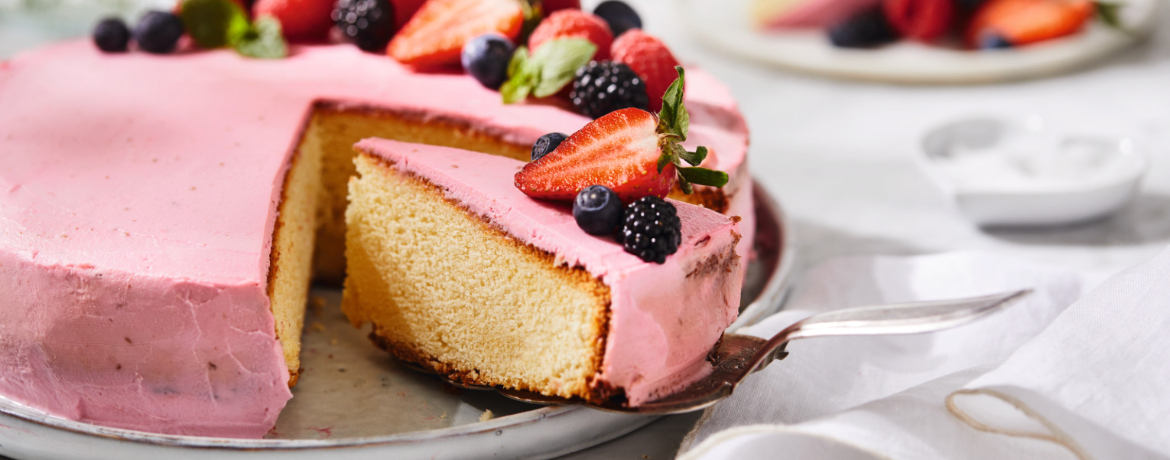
(885,397)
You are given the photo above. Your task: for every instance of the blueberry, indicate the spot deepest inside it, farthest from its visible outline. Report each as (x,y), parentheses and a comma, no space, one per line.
(993,41)
(866,29)
(598,210)
(546,144)
(158,32)
(620,16)
(111,35)
(486,58)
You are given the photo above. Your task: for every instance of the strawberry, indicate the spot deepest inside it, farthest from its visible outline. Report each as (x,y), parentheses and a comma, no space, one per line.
(404,10)
(633,152)
(437,32)
(1020,22)
(573,24)
(650,59)
(923,20)
(552,6)
(300,20)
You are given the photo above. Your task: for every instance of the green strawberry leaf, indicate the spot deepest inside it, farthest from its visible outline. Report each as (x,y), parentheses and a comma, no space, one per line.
(263,40)
(547,70)
(533,13)
(685,185)
(214,23)
(559,60)
(703,176)
(1110,15)
(673,119)
(694,158)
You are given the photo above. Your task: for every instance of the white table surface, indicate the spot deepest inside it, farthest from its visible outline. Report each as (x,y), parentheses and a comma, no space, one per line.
(841,158)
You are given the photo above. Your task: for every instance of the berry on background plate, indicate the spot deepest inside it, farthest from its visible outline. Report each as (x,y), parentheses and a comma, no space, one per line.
(866,29)
(620,16)
(158,32)
(651,229)
(547,143)
(300,20)
(923,20)
(606,86)
(650,59)
(436,34)
(111,35)
(1020,22)
(573,24)
(631,151)
(369,24)
(597,210)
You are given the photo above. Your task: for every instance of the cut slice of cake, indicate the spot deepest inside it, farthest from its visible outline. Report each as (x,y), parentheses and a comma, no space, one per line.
(462,273)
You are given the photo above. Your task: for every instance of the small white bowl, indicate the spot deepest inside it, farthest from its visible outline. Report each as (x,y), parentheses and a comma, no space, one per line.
(1005,171)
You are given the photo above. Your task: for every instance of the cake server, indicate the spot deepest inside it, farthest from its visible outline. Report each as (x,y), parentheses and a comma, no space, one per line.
(740,355)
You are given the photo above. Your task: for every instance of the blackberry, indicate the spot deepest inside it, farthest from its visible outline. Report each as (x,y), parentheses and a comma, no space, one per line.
(866,29)
(158,32)
(651,229)
(369,24)
(602,87)
(620,16)
(597,210)
(111,35)
(546,144)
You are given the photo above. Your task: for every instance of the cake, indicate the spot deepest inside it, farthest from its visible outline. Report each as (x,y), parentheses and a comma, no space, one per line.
(462,273)
(161,217)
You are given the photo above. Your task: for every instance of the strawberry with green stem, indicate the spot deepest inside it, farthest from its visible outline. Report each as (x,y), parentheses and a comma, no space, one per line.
(633,152)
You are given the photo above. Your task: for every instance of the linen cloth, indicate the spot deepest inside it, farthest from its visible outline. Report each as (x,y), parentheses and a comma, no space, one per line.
(1039,380)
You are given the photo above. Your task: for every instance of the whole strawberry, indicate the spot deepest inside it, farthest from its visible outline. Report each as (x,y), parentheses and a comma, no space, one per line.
(650,59)
(300,20)
(922,20)
(630,151)
(573,24)
(552,6)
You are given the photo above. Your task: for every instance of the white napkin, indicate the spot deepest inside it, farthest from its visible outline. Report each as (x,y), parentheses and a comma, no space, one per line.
(1025,383)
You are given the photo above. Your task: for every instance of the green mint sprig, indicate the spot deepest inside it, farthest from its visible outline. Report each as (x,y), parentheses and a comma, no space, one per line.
(673,123)
(222,23)
(548,70)
(1110,14)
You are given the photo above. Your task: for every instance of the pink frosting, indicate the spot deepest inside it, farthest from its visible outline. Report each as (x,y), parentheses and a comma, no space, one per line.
(664,317)
(818,13)
(138,194)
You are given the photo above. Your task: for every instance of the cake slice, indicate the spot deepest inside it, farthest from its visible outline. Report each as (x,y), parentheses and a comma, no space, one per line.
(463,274)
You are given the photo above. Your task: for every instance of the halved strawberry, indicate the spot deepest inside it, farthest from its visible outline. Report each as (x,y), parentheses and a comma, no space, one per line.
(650,59)
(437,32)
(300,20)
(573,24)
(631,151)
(1020,22)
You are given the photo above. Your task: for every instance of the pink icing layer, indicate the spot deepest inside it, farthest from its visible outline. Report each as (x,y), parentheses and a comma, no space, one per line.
(138,194)
(664,318)
(817,13)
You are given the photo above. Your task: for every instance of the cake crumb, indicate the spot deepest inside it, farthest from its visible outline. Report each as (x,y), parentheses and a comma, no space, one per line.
(486,415)
(333,341)
(318,304)
(316,327)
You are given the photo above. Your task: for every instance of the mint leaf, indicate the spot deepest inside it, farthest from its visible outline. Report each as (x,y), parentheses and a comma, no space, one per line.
(703,176)
(1110,15)
(533,13)
(519,83)
(558,61)
(213,23)
(263,40)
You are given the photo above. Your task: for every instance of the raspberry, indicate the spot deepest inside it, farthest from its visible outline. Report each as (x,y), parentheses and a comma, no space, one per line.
(651,229)
(650,59)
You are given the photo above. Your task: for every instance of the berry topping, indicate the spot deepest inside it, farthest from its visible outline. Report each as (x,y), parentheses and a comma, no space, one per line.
(547,143)
(923,20)
(651,229)
(650,59)
(631,151)
(606,86)
(300,20)
(486,58)
(158,32)
(436,34)
(111,35)
(597,210)
(865,29)
(369,24)
(573,24)
(1021,22)
(552,6)
(993,41)
(620,16)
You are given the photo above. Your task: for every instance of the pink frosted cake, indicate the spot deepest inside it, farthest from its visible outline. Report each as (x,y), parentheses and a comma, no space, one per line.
(461,272)
(161,218)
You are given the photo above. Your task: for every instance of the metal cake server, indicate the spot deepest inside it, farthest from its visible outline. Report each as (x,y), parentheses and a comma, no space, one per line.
(740,355)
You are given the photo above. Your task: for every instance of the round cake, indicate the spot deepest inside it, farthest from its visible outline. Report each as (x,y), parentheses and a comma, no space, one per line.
(162,217)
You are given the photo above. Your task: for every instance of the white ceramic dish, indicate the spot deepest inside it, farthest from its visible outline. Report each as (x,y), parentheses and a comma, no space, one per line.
(356,402)
(1005,171)
(726,24)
